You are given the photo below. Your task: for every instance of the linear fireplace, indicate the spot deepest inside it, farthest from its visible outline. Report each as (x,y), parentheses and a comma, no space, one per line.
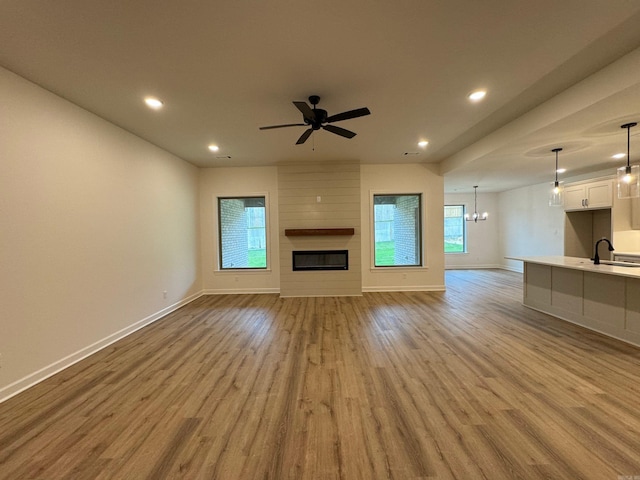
(320,260)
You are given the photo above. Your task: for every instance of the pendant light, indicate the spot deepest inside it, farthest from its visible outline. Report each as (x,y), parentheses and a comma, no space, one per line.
(629,176)
(556,196)
(476,216)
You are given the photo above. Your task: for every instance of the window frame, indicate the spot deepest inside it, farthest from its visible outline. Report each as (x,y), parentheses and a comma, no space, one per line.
(421,230)
(265,198)
(464,229)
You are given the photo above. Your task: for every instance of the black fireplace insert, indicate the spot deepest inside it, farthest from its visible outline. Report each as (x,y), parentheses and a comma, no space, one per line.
(320,260)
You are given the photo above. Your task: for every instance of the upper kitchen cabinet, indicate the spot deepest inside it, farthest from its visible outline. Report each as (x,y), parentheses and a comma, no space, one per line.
(588,196)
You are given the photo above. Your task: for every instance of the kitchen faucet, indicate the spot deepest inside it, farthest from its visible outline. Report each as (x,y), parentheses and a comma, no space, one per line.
(596,258)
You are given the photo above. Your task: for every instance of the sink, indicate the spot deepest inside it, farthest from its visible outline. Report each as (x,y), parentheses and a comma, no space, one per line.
(620,264)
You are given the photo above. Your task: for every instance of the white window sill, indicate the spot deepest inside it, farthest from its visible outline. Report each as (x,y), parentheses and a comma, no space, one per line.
(243,271)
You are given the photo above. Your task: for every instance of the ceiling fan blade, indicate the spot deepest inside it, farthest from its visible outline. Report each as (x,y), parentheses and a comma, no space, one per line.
(343,132)
(304,136)
(307,113)
(282,126)
(358,112)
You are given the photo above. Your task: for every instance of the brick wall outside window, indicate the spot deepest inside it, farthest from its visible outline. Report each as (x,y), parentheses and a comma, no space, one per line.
(233,230)
(406,230)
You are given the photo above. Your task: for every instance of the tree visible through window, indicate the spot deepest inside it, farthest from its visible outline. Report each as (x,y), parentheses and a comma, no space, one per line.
(397,231)
(454,237)
(243,238)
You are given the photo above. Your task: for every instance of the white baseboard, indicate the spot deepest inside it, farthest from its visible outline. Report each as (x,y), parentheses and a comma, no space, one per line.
(406,288)
(321,296)
(38,376)
(239,291)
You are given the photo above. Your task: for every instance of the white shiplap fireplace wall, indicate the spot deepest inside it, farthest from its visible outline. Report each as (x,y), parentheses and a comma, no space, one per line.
(315,196)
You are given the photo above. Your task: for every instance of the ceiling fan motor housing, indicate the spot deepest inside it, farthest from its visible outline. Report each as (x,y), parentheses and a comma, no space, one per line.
(321,117)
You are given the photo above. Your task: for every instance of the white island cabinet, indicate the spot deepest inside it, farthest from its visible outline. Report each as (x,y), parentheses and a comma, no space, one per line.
(604,298)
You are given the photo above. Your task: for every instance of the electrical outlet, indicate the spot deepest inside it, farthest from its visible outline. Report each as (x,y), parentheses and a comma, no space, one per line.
(164,294)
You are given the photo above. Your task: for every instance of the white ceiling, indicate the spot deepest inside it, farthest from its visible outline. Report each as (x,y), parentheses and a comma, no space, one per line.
(225,68)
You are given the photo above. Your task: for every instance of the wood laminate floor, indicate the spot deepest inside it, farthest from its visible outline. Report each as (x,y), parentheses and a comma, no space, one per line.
(466,384)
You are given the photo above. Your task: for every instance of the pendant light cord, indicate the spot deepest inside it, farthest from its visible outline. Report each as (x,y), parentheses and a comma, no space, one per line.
(556,150)
(628,127)
(475,200)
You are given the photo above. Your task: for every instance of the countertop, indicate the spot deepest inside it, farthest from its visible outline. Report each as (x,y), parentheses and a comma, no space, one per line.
(584,264)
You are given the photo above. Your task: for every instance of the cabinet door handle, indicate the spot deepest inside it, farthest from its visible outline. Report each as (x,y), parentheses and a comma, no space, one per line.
(586,202)
(583,202)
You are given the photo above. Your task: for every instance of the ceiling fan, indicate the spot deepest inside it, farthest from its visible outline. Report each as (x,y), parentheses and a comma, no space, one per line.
(316,118)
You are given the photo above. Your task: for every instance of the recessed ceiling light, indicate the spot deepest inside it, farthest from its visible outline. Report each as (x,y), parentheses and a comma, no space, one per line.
(619,155)
(153,102)
(423,143)
(214,148)
(561,170)
(477,95)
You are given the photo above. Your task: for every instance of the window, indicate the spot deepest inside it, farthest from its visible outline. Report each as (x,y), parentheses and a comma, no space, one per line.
(454,231)
(243,236)
(397,232)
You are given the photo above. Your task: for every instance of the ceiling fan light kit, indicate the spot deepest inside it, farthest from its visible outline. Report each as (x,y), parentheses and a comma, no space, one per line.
(317,118)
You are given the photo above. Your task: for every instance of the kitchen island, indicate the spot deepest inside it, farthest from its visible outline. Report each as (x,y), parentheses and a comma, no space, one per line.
(604,298)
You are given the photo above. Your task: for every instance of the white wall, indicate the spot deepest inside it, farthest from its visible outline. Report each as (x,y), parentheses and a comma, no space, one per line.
(528,225)
(408,178)
(241,181)
(483,238)
(95,225)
